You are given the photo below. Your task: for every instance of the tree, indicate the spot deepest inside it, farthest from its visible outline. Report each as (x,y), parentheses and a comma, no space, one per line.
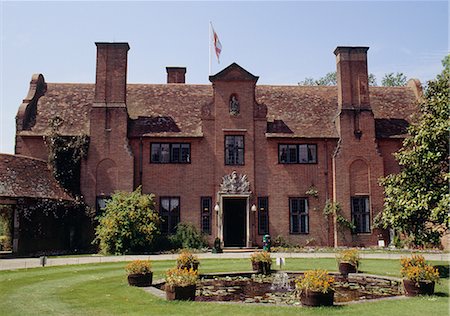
(129,223)
(330,79)
(417,199)
(394,80)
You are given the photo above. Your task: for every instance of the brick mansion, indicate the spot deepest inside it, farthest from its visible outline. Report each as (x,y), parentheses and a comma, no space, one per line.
(236,159)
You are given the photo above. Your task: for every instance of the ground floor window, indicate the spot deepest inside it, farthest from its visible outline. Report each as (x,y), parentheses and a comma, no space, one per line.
(361,214)
(101,204)
(169,210)
(205,206)
(298,213)
(263,215)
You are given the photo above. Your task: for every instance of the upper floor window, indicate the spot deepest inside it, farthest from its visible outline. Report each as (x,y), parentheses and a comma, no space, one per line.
(234,150)
(170,153)
(297,153)
(299,219)
(361,214)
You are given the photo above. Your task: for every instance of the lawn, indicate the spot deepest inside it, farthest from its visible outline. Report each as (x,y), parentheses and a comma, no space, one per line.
(101,289)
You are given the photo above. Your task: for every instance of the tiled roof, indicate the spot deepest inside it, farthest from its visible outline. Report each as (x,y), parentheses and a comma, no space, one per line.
(28,177)
(176,109)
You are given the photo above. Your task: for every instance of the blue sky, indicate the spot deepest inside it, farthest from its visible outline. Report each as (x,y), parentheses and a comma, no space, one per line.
(281,42)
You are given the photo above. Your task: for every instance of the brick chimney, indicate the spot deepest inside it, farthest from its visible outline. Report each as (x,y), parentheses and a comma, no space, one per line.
(111,73)
(352,78)
(176,74)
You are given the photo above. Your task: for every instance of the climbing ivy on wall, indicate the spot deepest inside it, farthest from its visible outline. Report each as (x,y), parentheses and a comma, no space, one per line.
(64,156)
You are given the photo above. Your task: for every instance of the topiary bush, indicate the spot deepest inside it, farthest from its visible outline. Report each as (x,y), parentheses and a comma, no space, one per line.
(129,223)
(187,236)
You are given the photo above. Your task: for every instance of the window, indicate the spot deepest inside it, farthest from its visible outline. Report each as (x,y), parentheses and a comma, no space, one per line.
(298,210)
(169,210)
(297,153)
(234,150)
(101,204)
(170,153)
(361,214)
(205,204)
(263,215)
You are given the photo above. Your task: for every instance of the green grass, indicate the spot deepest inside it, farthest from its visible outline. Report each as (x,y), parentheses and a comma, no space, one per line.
(101,289)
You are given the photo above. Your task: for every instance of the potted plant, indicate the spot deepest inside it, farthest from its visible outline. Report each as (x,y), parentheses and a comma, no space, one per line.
(139,273)
(419,277)
(181,284)
(261,262)
(187,260)
(315,288)
(348,261)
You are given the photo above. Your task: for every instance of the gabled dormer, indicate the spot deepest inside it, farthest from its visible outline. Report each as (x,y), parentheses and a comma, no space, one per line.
(234,96)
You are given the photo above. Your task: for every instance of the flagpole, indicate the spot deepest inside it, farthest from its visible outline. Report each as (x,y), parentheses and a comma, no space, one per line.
(209,44)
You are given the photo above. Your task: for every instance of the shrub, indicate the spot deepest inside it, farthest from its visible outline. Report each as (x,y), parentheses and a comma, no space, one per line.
(350,256)
(187,236)
(181,277)
(128,224)
(315,281)
(416,269)
(139,267)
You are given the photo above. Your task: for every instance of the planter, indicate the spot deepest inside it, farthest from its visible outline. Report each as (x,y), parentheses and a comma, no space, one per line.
(413,288)
(255,265)
(264,268)
(140,279)
(345,268)
(311,298)
(182,293)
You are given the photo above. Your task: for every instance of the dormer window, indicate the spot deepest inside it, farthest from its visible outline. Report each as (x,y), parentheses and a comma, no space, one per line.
(234,105)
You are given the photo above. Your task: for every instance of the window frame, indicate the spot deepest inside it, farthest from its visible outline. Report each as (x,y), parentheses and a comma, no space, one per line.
(300,215)
(236,150)
(171,229)
(359,215)
(171,146)
(297,149)
(263,215)
(208,213)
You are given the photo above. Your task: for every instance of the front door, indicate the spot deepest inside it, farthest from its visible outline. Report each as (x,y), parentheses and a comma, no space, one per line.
(234,222)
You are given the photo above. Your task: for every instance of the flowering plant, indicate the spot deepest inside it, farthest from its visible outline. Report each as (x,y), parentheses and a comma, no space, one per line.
(187,260)
(181,277)
(261,256)
(315,281)
(350,256)
(138,267)
(416,269)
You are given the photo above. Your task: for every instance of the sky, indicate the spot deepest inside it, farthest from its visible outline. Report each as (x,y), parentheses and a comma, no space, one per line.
(282,42)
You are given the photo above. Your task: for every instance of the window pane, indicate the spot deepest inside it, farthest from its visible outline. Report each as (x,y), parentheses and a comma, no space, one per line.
(165,153)
(282,153)
(165,205)
(156,153)
(292,153)
(294,224)
(185,153)
(361,214)
(234,150)
(302,154)
(174,204)
(312,153)
(175,154)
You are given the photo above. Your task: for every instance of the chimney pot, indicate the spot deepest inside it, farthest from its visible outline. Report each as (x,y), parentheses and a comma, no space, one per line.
(176,74)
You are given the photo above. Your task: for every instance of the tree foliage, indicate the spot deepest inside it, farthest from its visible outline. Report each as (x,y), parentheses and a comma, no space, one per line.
(330,79)
(187,236)
(129,223)
(417,199)
(394,80)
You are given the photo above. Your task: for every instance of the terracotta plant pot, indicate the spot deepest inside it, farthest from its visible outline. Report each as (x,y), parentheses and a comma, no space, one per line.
(264,268)
(311,298)
(345,268)
(140,279)
(413,288)
(182,293)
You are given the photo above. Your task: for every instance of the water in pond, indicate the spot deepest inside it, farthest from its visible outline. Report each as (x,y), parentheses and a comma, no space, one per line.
(280,289)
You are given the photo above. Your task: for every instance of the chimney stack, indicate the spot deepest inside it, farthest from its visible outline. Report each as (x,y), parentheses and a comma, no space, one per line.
(352,78)
(111,73)
(176,74)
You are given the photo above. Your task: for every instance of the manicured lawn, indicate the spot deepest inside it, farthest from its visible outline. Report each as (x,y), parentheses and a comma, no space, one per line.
(101,289)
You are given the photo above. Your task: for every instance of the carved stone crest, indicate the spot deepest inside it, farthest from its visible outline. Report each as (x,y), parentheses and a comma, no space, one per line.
(235,183)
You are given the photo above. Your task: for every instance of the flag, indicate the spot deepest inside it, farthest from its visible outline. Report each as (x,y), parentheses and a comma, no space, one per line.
(217,44)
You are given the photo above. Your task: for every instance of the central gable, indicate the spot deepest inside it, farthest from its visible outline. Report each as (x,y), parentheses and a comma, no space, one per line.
(233,72)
